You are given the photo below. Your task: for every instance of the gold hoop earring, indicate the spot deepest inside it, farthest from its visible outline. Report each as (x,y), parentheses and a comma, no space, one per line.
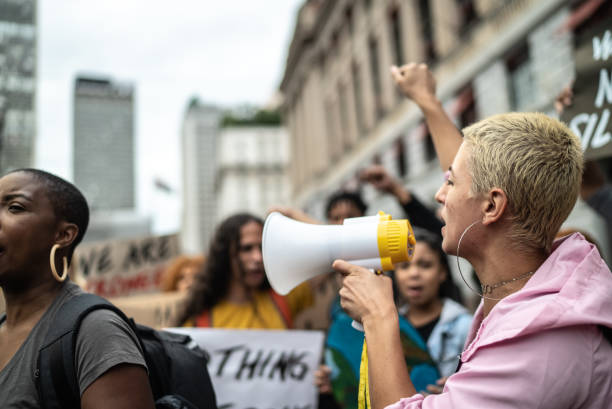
(52,262)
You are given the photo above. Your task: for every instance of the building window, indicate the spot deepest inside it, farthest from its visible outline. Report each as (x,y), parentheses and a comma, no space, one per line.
(348,16)
(521,84)
(467,110)
(330,125)
(396,37)
(430,150)
(357,98)
(344,115)
(322,64)
(376,83)
(400,151)
(468,15)
(427,31)
(334,43)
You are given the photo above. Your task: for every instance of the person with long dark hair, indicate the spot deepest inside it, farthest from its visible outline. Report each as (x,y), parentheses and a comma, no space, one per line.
(232,291)
(42,219)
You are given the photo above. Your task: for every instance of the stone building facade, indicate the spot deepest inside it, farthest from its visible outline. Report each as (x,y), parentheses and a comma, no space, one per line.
(344,113)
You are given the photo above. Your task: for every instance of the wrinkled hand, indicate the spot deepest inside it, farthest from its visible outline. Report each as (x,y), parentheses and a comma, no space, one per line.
(564,99)
(322,379)
(438,387)
(364,295)
(416,82)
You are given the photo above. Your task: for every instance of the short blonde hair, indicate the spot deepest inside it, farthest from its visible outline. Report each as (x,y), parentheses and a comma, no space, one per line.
(537,161)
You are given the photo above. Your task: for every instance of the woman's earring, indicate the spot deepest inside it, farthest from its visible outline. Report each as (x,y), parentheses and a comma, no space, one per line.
(52,262)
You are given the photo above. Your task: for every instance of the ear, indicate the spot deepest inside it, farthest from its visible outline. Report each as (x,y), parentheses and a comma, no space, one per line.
(66,234)
(494,206)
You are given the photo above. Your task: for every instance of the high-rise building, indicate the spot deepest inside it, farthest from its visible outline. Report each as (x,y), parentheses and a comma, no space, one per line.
(17,83)
(104,142)
(252,169)
(199,135)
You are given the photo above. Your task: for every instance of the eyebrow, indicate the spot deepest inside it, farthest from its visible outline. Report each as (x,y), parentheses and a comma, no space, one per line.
(11,196)
(450,169)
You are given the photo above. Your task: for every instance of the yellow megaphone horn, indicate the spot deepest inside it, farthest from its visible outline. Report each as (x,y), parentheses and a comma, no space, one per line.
(294,252)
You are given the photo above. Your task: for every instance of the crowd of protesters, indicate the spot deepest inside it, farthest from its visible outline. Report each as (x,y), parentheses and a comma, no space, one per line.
(537,338)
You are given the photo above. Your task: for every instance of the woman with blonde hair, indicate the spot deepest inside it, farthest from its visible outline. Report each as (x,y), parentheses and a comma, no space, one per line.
(539,336)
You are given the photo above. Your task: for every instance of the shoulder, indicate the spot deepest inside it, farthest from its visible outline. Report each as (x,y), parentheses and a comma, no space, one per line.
(550,368)
(301,291)
(300,297)
(104,321)
(104,340)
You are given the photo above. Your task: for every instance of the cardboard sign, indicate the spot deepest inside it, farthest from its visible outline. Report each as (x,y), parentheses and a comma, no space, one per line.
(253,369)
(154,310)
(589,115)
(124,267)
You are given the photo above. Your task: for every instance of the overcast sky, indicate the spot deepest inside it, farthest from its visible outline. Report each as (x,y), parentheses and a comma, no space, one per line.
(226,52)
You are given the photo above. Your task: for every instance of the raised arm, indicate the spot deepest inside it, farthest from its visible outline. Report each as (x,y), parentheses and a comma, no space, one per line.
(416,82)
(418,213)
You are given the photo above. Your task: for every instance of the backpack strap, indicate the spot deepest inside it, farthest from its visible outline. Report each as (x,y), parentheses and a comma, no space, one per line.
(56,378)
(283,307)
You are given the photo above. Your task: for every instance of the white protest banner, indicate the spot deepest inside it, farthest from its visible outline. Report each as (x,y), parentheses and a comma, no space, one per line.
(257,369)
(589,115)
(117,268)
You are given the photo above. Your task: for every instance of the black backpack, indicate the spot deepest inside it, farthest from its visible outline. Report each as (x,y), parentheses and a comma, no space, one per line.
(177,367)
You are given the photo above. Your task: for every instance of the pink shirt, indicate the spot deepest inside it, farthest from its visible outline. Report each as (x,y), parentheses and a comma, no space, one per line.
(541,346)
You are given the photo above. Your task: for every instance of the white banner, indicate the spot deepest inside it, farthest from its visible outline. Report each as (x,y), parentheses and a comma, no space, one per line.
(252,369)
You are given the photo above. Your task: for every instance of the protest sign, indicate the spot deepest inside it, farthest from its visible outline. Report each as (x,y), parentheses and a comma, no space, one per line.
(123,267)
(154,310)
(589,115)
(258,369)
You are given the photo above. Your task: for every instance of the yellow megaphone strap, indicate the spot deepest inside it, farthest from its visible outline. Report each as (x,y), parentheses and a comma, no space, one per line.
(363,400)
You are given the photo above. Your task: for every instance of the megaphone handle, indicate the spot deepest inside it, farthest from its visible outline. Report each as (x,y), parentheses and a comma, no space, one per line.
(357,326)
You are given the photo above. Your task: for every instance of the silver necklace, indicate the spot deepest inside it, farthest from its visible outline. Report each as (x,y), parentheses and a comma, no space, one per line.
(488,288)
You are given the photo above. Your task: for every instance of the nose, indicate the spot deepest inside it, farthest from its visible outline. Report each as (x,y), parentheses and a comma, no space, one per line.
(441,194)
(413,270)
(257,255)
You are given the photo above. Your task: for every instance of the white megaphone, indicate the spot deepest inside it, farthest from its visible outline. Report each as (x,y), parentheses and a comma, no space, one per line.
(294,252)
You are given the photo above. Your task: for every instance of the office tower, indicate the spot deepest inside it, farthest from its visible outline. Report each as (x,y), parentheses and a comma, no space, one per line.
(199,134)
(17,83)
(104,143)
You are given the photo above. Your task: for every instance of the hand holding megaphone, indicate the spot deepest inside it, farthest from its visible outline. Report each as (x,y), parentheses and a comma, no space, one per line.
(294,252)
(364,294)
